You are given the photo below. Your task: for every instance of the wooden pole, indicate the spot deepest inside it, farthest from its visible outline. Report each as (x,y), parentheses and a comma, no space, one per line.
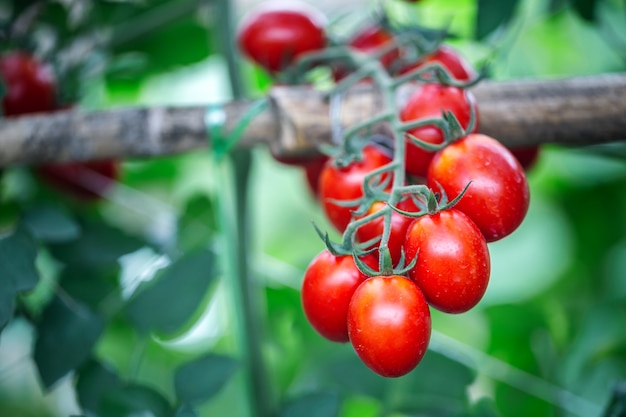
(575,112)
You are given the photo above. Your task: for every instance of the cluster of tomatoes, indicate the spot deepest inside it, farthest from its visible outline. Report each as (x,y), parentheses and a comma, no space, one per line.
(416,250)
(30,86)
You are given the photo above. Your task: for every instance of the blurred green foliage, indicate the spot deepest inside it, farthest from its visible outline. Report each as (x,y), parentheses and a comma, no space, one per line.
(130,304)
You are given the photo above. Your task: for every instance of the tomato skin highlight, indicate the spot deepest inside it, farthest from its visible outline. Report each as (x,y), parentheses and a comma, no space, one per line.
(328,285)
(498,197)
(276,34)
(389,324)
(30,85)
(453,264)
(428,101)
(346,183)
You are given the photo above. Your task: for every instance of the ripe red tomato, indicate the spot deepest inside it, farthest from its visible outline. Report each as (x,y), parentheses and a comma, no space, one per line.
(276,34)
(498,197)
(29,84)
(87,181)
(526,156)
(399,225)
(346,183)
(453,266)
(429,101)
(450,59)
(389,324)
(328,285)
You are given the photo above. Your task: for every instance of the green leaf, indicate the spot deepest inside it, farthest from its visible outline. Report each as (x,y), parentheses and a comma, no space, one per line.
(51,224)
(98,245)
(197,223)
(185,411)
(167,302)
(134,400)
(492,14)
(7,299)
(94,381)
(17,260)
(318,404)
(484,407)
(65,338)
(438,386)
(200,379)
(586,9)
(90,286)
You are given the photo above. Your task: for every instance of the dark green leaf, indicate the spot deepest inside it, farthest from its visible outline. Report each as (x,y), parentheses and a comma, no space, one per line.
(185,411)
(586,9)
(17,260)
(50,224)
(133,399)
(197,223)
(484,407)
(168,301)
(438,386)
(200,379)
(318,404)
(351,375)
(90,286)
(65,338)
(7,299)
(492,14)
(94,381)
(98,245)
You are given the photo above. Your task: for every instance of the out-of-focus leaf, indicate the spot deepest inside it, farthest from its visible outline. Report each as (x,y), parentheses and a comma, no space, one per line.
(134,400)
(484,407)
(197,223)
(491,14)
(349,373)
(7,300)
(200,379)
(185,411)
(90,286)
(167,302)
(51,224)
(586,9)
(65,338)
(317,404)
(437,387)
(98,245)
(94,381)
(17,260)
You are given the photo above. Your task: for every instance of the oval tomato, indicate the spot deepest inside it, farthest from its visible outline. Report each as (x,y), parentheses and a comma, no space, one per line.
(448,58)
(498,197)
(29,84)
(428,101)
(87,181)
(453,266)
(275,35)
(389,324)
(328,285)
(346,183)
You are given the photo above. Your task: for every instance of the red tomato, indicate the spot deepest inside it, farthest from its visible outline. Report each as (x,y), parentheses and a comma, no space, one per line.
(389,324)
(313,170)
(328,285)
(346,183)
(429,101)
(87,181)
(30,85)
(449,59)
(453,266)
(527,157)
(276,34)
(399,225)
(497,199)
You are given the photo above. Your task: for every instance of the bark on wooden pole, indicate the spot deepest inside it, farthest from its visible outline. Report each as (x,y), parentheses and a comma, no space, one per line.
(576,111)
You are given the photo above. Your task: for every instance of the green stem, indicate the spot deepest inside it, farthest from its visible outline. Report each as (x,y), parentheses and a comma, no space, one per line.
(246,294)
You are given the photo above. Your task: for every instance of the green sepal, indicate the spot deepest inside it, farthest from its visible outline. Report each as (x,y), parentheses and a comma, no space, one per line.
(333,247)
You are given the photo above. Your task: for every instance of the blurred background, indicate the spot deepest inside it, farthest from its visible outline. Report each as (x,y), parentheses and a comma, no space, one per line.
(548,339)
